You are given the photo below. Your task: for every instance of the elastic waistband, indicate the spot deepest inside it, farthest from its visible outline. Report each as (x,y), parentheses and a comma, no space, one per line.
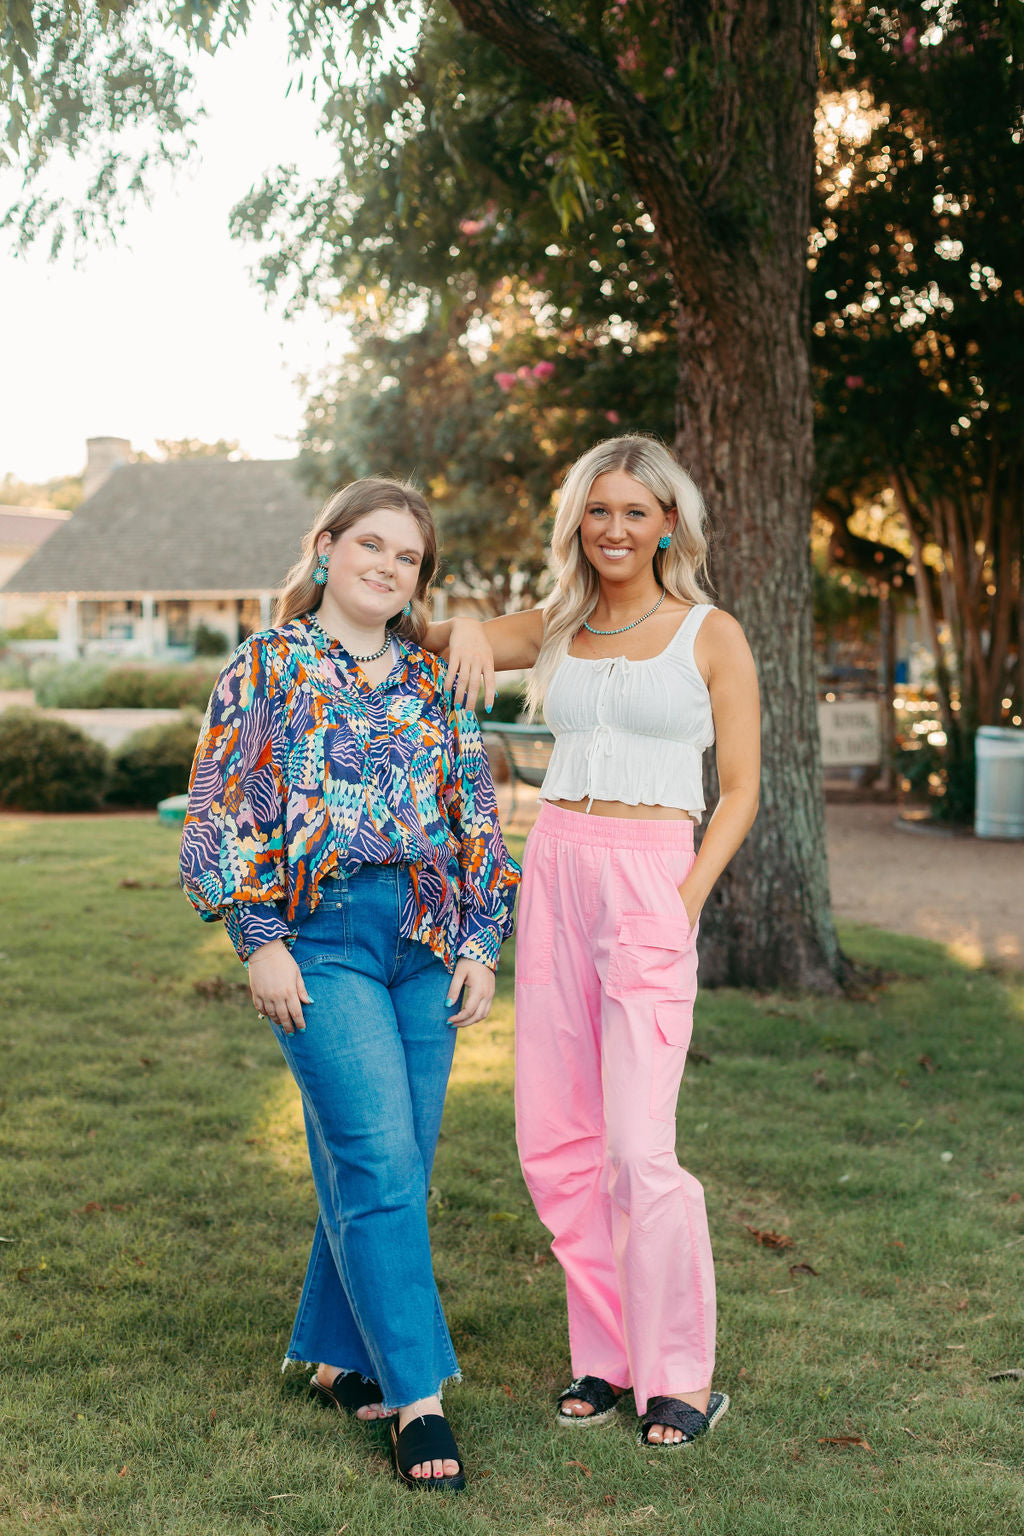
(612,831)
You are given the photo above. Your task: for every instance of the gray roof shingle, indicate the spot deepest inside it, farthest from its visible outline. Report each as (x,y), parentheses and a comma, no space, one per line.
(199,525)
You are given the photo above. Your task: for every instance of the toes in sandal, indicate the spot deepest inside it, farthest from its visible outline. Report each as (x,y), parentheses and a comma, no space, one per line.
(595,1391)
(672,1413)
(427,1438)
(347,1392)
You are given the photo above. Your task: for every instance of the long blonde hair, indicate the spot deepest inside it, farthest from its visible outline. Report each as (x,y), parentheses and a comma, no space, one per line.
(678,569)
(301,594)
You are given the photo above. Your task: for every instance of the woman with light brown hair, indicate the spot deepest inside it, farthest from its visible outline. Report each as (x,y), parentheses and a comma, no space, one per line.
(342,823)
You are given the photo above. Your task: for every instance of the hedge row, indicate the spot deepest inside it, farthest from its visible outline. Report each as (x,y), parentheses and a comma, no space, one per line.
(46,765)
(98,685)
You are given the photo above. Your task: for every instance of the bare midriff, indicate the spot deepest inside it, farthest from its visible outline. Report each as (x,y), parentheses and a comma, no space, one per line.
(621,809)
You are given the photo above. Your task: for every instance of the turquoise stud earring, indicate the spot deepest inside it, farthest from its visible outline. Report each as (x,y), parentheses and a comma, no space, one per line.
(665,541)
(320,574)
(407,609)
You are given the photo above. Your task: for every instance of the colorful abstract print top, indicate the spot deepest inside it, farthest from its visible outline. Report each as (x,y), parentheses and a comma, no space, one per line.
(303,770)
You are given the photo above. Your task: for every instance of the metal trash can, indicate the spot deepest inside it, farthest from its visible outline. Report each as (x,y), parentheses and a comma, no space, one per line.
(999,798)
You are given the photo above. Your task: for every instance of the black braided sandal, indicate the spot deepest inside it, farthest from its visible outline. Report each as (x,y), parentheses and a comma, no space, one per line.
(347,1392)
(427,1438)
(675,1414)
(595,1391)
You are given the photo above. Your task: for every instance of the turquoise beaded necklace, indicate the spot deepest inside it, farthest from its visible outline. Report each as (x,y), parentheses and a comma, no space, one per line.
(590,628)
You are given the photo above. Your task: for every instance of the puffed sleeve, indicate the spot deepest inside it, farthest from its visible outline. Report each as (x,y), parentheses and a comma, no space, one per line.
(233,853)
(489,875)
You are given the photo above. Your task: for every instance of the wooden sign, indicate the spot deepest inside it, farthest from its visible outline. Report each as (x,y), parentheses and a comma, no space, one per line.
(851,733)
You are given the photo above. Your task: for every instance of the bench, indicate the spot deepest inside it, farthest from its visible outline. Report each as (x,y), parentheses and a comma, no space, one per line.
(527,749)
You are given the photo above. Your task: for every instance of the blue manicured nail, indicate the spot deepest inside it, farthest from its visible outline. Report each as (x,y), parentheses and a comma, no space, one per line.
(488,709)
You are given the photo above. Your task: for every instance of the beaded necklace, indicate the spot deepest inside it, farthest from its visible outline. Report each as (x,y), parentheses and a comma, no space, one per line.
(634,624)
(333,640)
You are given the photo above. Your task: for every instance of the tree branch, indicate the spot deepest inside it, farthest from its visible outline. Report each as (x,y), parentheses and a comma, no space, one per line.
(540,45)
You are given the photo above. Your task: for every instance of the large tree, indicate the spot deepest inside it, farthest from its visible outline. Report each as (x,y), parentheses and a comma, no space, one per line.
(918,254)
(704,114)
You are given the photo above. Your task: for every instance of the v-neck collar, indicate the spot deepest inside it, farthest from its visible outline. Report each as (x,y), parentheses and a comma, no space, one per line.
(324,644)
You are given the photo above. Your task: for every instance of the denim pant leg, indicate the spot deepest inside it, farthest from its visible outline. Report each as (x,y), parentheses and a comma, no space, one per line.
(372,1067)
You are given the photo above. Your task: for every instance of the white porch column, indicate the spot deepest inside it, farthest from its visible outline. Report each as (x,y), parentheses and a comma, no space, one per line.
(67,629)
(265,602)
(147,635)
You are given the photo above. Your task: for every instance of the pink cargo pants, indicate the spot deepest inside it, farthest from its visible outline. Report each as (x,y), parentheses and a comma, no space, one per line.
(606,975)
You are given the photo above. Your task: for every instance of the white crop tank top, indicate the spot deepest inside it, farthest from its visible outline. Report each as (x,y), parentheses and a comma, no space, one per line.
(634,731)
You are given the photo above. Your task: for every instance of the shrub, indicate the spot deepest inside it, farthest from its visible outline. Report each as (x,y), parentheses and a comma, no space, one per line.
(98,685)
(154,763)
(13,669)
(46,765)
(37,626)
(208,642)
(68,685)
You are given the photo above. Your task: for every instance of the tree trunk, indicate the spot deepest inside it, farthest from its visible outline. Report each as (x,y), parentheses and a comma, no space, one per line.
(745,429)
(744,412)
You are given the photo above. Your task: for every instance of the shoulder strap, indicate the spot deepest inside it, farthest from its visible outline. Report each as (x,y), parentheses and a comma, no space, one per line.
(686,634)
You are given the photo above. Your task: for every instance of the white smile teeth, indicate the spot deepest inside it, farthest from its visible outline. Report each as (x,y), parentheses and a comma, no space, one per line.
(614,554)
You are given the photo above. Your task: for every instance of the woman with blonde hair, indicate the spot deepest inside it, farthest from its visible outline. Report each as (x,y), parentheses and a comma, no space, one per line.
(638,674)
(342,823)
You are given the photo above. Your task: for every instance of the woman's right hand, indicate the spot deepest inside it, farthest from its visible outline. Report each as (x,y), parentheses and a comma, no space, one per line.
(277,988)
(470,663)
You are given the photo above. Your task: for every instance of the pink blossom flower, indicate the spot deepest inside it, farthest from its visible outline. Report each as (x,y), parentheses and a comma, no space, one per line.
(910,41)
(854,381)
(613,417)
(523,372)
(505,381)
(670,73)
(543,370)
(472,226)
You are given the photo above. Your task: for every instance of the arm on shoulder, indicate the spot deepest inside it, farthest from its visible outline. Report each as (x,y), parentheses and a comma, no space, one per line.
(475,651)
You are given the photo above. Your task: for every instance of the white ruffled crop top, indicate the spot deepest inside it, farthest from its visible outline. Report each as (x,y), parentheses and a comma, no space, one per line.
(634,731)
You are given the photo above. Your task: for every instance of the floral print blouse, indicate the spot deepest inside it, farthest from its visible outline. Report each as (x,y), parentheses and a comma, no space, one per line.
(304,770)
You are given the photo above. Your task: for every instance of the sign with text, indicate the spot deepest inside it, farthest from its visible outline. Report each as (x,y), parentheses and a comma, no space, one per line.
(851,733)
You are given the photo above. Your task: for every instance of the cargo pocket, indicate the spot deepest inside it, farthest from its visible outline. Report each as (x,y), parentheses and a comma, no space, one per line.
(649,953)
(674,1026)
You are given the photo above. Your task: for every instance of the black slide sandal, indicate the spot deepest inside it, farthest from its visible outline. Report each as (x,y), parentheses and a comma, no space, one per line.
(593,1390)
(427,1438)
(347,1392)
(672,1413)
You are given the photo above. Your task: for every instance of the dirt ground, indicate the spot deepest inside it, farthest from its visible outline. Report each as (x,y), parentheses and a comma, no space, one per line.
(962,891)
(966,892)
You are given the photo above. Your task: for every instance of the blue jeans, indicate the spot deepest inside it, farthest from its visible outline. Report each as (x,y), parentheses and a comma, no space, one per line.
(372,1067)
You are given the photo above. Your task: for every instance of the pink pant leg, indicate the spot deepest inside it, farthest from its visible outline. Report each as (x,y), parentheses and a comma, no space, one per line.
(658,1220)
(606,977)
(559,1097)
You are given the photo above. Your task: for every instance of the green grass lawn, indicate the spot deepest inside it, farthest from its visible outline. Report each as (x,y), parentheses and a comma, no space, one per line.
(157,1210)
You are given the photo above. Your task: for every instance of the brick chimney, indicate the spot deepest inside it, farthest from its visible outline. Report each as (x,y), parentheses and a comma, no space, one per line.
(103,456)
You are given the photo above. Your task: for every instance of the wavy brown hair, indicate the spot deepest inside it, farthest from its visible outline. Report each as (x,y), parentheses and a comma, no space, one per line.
(301,594)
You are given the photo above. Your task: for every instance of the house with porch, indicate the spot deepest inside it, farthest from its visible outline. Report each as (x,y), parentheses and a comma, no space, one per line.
(155,550)
(23,530)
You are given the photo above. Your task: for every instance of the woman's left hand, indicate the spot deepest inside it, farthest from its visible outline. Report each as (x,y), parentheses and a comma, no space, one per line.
(470,663)
(478,981)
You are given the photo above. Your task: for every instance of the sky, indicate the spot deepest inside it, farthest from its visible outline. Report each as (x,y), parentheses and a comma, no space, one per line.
(167,336)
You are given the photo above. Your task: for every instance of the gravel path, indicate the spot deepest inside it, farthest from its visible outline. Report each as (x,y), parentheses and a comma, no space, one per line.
(962,891)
